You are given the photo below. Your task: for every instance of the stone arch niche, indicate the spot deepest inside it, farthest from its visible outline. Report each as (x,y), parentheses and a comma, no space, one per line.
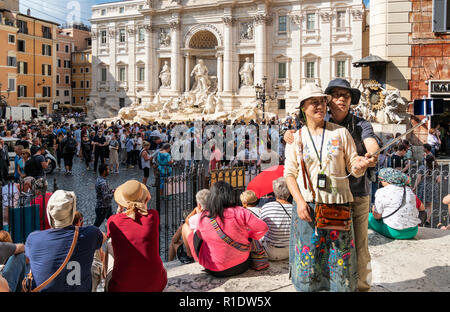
(202,42)
(203,39)
(202,29)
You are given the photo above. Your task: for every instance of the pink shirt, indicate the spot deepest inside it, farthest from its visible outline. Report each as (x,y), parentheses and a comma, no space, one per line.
(240,225)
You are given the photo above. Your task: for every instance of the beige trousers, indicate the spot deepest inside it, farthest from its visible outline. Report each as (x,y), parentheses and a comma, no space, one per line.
(360,210)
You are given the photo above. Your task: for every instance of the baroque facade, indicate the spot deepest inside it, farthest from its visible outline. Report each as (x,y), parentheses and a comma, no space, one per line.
(145,48)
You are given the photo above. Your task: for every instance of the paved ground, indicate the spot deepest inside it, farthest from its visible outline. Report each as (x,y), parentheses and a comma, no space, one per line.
(416,265)
(82,182)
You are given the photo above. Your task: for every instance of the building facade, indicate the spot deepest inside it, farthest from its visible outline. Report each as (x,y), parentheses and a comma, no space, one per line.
(72,40)
(137,44)
(64,49)
(36,62)
(8,58)
(390,28)
(81,78)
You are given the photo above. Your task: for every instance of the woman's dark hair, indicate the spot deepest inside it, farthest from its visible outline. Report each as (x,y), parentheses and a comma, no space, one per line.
(430,161)
(220,197)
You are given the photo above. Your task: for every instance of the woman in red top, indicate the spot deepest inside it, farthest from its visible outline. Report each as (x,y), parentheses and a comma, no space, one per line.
(134,233)
(218,257)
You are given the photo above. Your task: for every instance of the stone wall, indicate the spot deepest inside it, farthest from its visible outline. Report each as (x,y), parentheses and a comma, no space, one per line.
(429,56)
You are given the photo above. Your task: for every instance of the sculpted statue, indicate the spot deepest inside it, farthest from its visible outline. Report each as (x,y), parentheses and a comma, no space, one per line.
(202,82)
(219,105)
(246,73)
(247,31)
(210,106)
(164,38)
(395,107)
(164,75)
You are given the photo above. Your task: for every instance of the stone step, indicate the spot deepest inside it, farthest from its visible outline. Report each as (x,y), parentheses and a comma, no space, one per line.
(417,265)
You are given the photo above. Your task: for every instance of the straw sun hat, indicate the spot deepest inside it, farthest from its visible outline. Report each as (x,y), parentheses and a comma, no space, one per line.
(133,196)
(310,90)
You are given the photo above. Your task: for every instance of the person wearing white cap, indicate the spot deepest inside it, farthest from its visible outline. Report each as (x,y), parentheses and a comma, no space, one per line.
(47,250)
(316,173)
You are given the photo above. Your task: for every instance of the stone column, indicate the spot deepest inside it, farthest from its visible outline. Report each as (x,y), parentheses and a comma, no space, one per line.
(131,48)
(149,49)
(112,58)
(260,22)
(94,66)
(187,73)
(219,72)
(175,57)
(228,55)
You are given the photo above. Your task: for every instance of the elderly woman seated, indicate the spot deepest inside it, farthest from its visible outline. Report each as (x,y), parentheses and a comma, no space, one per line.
(277,215)
(249,201)
(395,214)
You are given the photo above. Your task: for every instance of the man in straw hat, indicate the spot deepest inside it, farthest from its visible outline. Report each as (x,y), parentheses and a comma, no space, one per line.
(342,96)
(134,233)
(48,249)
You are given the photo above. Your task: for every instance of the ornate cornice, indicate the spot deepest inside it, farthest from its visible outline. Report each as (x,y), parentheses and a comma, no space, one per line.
(297,18)
(326,17)
(148,27)
(357,14)
(262,19)
(228,20)
(174,24)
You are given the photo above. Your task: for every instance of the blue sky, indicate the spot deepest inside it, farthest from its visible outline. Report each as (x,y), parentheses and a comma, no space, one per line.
(63,11)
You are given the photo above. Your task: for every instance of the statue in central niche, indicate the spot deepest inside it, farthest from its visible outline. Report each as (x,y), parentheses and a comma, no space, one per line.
(202,82)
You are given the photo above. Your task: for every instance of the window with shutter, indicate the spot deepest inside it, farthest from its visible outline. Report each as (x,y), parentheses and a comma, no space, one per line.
(441,16)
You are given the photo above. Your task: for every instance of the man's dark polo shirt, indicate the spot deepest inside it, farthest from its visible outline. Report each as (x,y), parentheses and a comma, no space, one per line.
(360,129)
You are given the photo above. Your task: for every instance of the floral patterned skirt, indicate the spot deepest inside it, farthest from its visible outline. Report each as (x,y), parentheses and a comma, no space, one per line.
(322,260)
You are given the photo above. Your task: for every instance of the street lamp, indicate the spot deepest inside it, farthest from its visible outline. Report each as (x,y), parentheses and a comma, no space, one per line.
(262,96)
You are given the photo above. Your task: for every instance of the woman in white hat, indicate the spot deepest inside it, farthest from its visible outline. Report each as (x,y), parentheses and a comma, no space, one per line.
(320,259)
(134,233)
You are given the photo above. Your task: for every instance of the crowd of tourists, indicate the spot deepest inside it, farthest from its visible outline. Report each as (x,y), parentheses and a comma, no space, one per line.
(328,167)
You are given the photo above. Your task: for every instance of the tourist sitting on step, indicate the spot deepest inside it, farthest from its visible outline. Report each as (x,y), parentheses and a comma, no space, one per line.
(277,214)
(12,263)
(221,242)
(190,225)
(445,201)
(250,202)
(395,214)
(134,234)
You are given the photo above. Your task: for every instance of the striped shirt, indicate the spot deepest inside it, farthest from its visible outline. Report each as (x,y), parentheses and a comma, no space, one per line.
(279,223)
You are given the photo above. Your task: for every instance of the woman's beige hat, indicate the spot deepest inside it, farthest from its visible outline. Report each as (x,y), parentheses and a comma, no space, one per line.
(133,196)
(310,90)
(61,208)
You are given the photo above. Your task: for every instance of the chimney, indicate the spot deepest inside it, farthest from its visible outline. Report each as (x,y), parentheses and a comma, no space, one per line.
(29,12)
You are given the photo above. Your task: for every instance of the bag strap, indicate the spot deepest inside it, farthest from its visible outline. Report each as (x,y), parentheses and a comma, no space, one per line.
(284,209)
(401,205)
(51,278)
(304,171)
(227,239)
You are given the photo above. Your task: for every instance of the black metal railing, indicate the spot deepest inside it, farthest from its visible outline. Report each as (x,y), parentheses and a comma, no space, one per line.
(23,209)
(175,194)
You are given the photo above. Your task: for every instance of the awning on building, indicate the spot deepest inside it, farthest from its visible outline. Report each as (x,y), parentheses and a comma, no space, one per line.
(371,60)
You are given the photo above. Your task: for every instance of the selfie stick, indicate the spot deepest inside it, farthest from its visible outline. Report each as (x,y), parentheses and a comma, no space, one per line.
(400,137)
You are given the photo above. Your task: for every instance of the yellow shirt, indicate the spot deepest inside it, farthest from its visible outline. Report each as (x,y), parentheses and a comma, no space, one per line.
(338,159)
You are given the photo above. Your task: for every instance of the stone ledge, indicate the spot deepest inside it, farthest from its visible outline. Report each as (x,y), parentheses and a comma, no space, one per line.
(420,264)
